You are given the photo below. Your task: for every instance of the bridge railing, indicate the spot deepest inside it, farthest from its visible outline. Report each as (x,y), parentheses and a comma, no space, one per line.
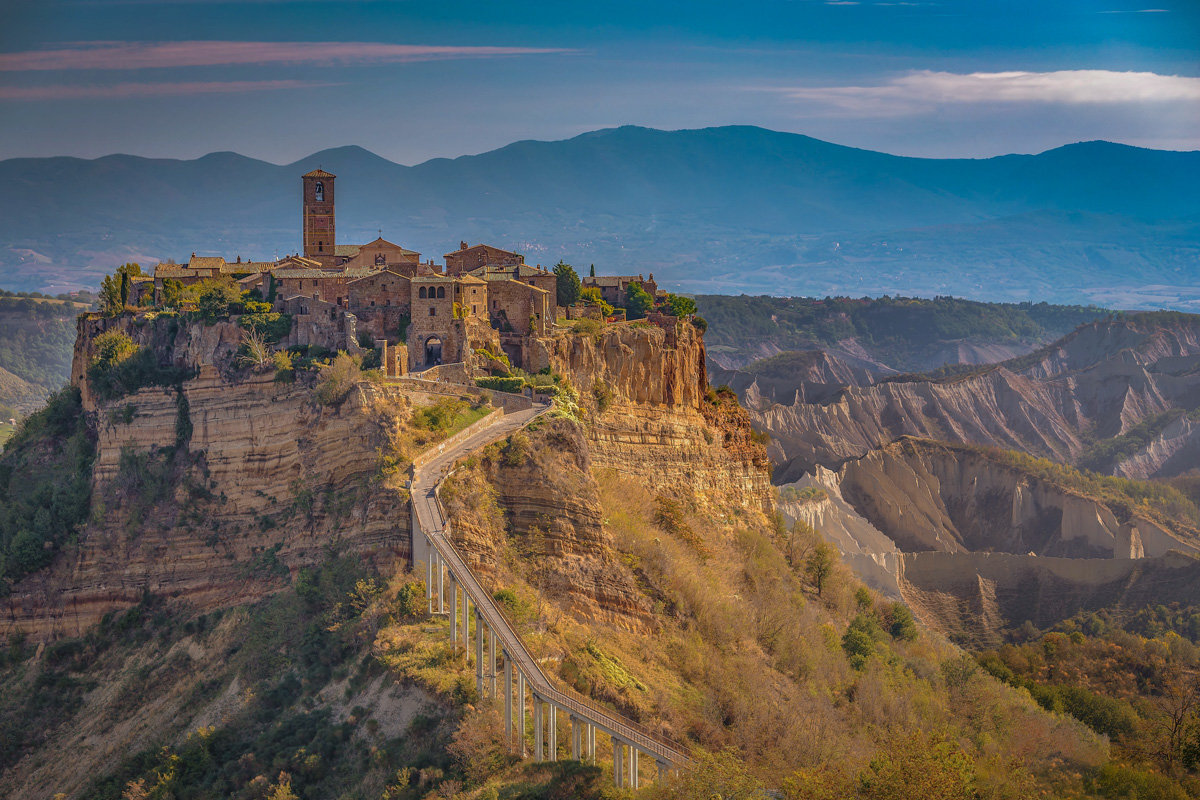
(634,733)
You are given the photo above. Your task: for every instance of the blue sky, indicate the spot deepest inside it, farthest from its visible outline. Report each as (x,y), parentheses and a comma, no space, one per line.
(411,80)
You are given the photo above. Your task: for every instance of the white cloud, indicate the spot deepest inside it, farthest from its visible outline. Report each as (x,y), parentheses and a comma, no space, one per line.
(924,90)
(143,55)
(59,92)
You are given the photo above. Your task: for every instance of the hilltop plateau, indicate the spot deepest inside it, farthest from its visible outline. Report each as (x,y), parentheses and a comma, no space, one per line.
(223,602)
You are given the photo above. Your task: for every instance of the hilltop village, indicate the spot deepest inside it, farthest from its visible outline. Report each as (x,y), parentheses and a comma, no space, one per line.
(417,313)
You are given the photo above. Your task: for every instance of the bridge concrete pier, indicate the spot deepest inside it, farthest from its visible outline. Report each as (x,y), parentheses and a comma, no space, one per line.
(553,732)
(521,706)
(441,586)
(453,611)
(633,767)
(662,769)
(508,703)
(575,739)
(478,653)
(618,767)
(538,755)
(429,577)
(466,626)
(492,658)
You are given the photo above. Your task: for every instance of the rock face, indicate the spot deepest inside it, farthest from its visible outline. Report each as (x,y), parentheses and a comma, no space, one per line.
(1094,384)
(649,413)
(539,497)
(928,496)
(976,545)
(264,484)
(975,596)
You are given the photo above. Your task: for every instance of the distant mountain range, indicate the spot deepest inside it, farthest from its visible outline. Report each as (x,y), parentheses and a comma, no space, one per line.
(717,210)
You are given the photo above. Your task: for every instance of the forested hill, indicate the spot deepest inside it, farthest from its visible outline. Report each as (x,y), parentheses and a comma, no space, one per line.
(721,210)
(36,339)
(897,333)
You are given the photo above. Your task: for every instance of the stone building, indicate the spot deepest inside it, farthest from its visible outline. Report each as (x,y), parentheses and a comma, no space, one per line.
(320,230)
(379,254)
(486,296)
(470,257)
(613,287)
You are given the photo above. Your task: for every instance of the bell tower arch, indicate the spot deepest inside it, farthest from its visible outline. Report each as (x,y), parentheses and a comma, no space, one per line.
(319,230)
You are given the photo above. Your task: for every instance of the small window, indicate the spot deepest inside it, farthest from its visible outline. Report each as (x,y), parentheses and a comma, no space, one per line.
(421,293)
(474,310)
(432,311)
(441,291)
(319,192)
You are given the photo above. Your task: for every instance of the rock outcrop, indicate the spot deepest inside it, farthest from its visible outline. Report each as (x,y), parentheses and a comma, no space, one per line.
(929,496)
(650,413)
(214,492)
(537,495)
(1092,385)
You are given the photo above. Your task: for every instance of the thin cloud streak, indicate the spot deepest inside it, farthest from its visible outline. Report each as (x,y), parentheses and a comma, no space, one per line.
(149,89)
(923,90)
(157,55)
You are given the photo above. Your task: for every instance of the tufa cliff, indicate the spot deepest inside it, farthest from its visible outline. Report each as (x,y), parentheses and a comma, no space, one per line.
(650,413)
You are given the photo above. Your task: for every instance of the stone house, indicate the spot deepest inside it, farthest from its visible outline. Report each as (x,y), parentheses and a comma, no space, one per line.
(472,257)
(613,287)
(379,254)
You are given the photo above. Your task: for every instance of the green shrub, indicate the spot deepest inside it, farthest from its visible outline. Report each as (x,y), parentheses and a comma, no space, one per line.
(511,385)
(338,378)
(859,641)
(603,395)
(120,367)
(270,325)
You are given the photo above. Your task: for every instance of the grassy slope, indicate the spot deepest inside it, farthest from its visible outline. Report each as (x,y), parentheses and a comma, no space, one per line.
(747,656)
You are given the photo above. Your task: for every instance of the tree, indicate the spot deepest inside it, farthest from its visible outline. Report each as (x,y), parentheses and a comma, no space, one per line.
(819,566)
(591,295)
(214,296)
(637,301)
(919,768)
(592,271)
(568,284)
(681,306)
(172,293)
(115,288)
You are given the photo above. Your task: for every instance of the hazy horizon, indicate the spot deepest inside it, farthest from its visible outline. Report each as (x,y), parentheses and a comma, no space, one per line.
(418,80)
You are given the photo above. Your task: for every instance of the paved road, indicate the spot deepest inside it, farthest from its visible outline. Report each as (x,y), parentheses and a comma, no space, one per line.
(433,524)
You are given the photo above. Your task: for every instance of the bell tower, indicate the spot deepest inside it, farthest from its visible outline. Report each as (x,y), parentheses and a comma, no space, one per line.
(318,214)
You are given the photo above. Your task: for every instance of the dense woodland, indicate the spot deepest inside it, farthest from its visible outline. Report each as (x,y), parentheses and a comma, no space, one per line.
(37,334)
(895,328)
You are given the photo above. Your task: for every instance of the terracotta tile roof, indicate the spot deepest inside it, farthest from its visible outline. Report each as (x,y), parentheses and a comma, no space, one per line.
(378,273)
(232,267)
(288,272)
(318,173)
(174,271)
(462,250)
(350,250)
(206,262)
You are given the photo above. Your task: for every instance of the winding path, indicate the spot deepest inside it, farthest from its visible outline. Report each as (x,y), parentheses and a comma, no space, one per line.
(432,546)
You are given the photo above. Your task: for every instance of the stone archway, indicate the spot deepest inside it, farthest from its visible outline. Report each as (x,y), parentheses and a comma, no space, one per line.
(433,351)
